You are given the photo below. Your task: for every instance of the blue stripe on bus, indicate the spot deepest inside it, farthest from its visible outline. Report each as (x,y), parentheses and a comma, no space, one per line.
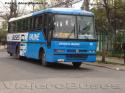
(64,11)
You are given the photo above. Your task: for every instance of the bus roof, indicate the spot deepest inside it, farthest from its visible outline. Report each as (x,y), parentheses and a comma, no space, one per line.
(71,11)
(68,11)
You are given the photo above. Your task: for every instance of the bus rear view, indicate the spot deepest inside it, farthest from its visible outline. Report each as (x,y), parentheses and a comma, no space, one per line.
(67,35)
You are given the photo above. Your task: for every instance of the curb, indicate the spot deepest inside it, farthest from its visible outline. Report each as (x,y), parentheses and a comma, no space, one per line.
(99,65)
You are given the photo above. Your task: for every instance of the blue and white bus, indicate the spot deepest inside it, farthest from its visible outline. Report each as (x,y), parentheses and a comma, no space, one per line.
(54,35)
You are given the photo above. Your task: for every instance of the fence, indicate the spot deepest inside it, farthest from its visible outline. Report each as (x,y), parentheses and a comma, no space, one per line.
(112,46)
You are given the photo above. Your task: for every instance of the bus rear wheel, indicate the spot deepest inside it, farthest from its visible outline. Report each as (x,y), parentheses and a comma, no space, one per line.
(43,59)
(76,65)
(11,54)
(18,54)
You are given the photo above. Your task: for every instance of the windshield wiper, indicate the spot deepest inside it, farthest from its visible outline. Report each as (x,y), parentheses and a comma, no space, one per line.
(85,29)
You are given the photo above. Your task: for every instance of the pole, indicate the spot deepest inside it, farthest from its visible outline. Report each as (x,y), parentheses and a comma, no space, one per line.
(123,47)
(124,56)
(44,2)
(33,7)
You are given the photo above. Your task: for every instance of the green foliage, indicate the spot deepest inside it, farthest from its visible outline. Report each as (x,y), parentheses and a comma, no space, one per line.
(100,19)
(116,15)
(3,31)
(118,43)
(109,18)
(3,34)
(119,54)
(120,13)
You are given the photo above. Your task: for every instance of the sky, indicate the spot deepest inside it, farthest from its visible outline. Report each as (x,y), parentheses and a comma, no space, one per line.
(4,7)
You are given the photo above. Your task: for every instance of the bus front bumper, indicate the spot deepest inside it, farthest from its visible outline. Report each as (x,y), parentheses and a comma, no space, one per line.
(71,58)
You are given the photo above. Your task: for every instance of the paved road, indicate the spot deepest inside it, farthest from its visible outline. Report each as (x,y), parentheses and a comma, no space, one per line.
(28,76)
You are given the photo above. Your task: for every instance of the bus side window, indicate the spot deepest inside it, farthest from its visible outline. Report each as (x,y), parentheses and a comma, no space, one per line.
(19,25)
(45,27)
(36,23)
(26,24)
(32,24)
(39,23)
(14,26)
(29,24)
(10,27)
(49,24)
(23,25)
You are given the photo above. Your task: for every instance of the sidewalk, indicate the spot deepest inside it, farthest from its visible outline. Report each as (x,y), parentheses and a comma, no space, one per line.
(109,66)
(117,63)
(2,48)
(112,60)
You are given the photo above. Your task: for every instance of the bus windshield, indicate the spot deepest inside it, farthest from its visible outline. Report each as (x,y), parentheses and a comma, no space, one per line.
(73,27)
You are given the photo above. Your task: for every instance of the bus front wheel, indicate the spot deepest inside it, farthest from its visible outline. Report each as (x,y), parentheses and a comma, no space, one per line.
(76,65)
(43,59)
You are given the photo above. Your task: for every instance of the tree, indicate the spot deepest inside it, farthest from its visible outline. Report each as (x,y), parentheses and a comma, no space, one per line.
(39,6)
(6,17)
(109,18)
(13,9)
(85,5)
(3,31)
(56,3)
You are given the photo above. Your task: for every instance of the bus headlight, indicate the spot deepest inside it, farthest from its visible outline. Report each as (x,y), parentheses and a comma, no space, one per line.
(59,51)
(92,51)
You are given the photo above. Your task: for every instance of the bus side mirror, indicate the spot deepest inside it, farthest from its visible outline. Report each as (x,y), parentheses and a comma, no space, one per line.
(123,46)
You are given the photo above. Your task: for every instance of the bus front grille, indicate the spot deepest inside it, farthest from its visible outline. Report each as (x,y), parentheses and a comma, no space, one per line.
(77,56)
(74,51)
